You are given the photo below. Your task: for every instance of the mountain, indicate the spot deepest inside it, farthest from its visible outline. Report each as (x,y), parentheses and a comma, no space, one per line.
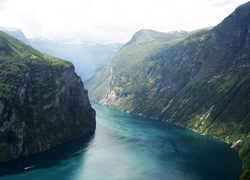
(85,56)
(128,63)
(199,80)
(43,102)
(16,33)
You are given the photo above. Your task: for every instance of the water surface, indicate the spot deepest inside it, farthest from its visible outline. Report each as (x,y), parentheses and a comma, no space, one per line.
(126,146)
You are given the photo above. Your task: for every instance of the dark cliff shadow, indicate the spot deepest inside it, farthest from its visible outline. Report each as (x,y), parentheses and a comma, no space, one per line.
(46,158)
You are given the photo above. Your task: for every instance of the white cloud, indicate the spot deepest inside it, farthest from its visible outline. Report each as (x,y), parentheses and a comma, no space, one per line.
(111,20)
(3,4)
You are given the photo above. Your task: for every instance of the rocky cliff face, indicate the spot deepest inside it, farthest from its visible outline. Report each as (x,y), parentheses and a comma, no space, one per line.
(199,81)
(42,101)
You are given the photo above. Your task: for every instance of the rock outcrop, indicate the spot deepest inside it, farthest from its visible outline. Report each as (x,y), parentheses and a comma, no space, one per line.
(43,102)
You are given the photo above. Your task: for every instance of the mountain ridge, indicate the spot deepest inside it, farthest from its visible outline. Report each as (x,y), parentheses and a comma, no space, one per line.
(199,81)
(16,33)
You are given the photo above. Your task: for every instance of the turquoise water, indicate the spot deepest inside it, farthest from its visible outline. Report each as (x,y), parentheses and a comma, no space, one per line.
(125,146)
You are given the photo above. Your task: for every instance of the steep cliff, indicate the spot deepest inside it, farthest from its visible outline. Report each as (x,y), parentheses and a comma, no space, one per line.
(42,101)
(200,81)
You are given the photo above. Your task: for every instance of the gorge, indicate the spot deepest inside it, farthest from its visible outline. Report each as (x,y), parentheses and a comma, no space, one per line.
(199,80)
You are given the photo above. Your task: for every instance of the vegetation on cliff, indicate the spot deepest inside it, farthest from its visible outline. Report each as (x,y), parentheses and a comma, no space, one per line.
(42,101)
(199,80)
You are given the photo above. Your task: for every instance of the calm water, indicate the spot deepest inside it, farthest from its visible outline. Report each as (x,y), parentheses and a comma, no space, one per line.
(125,146)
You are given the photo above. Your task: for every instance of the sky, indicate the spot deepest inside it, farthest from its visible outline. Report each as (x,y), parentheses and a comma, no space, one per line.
(111,21)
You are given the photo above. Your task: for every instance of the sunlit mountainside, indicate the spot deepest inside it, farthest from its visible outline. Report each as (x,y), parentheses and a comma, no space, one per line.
(199,80)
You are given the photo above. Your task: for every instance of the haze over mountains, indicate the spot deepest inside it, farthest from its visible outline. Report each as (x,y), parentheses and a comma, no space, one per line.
(16,33)
(85,56)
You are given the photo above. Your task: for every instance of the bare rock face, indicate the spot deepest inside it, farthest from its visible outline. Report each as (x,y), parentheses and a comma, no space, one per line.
(43,102)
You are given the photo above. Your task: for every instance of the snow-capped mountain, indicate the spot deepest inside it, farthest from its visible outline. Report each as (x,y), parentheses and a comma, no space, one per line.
(84,55)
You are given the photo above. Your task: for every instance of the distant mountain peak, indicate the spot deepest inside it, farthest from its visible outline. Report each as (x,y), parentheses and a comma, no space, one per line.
(16,33)
(12,29)
(153,33)
(148,35)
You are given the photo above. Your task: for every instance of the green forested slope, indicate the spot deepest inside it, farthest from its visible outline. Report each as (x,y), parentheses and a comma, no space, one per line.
(42,101)
(200,80)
